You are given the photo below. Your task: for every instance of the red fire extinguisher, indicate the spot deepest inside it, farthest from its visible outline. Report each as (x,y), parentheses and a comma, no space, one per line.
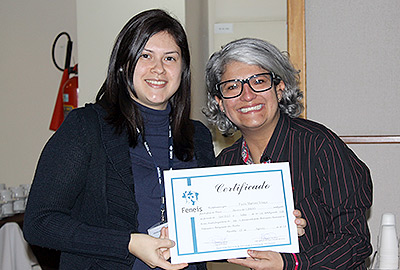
(70,92)
(67,98)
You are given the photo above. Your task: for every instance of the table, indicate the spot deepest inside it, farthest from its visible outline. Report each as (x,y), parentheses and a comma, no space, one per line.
(48,259)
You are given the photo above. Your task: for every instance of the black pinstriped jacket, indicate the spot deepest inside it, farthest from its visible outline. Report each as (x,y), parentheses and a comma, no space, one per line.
(332,188)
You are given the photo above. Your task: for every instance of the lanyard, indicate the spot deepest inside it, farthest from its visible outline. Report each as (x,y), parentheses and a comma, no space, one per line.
(159,173)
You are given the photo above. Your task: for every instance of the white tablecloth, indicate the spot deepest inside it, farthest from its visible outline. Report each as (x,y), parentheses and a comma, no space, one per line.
(15,253)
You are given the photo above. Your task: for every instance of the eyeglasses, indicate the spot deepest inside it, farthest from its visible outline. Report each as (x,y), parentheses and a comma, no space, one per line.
(258,83)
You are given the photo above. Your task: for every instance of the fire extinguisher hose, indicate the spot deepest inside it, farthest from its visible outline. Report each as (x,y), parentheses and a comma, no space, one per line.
(67,55)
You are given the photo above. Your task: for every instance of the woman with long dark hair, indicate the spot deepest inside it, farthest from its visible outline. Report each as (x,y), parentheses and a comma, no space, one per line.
(98,186)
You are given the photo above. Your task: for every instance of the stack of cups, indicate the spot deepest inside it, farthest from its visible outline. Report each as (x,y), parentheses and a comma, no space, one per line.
(6,202)
(13,199)
(388,246)
(19,196)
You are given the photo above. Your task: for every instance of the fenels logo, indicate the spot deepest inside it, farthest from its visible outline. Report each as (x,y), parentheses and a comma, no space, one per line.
(191,197)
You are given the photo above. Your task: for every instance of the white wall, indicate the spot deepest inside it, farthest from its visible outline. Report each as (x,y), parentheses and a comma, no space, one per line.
(353,67)
(28,80)
(196,26)
(264,19)
(99,22)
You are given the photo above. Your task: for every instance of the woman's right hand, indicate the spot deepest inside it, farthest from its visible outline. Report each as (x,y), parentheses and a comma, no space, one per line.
(153,251)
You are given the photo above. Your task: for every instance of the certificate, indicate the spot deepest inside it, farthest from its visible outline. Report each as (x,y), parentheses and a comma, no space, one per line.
(221,212)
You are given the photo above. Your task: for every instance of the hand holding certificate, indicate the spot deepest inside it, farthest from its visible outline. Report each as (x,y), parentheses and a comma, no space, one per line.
(221,212)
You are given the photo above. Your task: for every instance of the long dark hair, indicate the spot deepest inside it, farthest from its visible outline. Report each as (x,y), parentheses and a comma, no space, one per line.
(115,93)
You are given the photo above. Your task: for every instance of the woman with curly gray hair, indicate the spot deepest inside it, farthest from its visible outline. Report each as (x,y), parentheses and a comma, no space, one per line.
(253,52)
(252,87)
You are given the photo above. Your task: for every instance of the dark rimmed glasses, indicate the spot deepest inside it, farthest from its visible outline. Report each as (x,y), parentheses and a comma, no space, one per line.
(258,83)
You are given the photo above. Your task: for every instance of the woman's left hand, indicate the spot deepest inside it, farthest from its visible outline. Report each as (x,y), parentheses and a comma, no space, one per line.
(300,222)
(269,260)
(261,260)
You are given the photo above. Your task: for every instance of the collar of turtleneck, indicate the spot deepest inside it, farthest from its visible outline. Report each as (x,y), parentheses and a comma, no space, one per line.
(154,118)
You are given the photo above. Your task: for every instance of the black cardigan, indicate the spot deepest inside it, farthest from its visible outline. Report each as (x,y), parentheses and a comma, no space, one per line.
(67,208)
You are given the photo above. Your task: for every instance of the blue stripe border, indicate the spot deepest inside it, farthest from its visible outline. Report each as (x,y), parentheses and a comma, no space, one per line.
(193,227)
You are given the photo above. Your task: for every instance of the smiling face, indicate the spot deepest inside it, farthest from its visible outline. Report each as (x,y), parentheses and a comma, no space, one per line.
(251,111)
(157,74)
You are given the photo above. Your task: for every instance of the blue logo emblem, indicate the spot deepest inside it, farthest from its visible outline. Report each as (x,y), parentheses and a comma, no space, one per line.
(191,197)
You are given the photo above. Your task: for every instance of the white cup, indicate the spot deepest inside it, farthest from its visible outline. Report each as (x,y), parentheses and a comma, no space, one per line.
(7,209)
(388,219)
(5,195)
(388,244)
(26,187)
(18,192)
(388,251)
(19,205)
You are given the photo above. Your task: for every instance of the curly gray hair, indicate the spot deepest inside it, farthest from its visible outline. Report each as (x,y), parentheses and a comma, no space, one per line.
(253,52)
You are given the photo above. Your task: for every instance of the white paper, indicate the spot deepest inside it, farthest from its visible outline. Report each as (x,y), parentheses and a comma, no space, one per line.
(221,212)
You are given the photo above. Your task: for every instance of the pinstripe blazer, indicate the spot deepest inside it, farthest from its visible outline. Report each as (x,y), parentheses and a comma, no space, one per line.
(332,188)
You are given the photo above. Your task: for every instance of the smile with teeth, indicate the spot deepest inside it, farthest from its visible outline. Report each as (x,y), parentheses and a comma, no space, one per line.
(159,83)
(249,109)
